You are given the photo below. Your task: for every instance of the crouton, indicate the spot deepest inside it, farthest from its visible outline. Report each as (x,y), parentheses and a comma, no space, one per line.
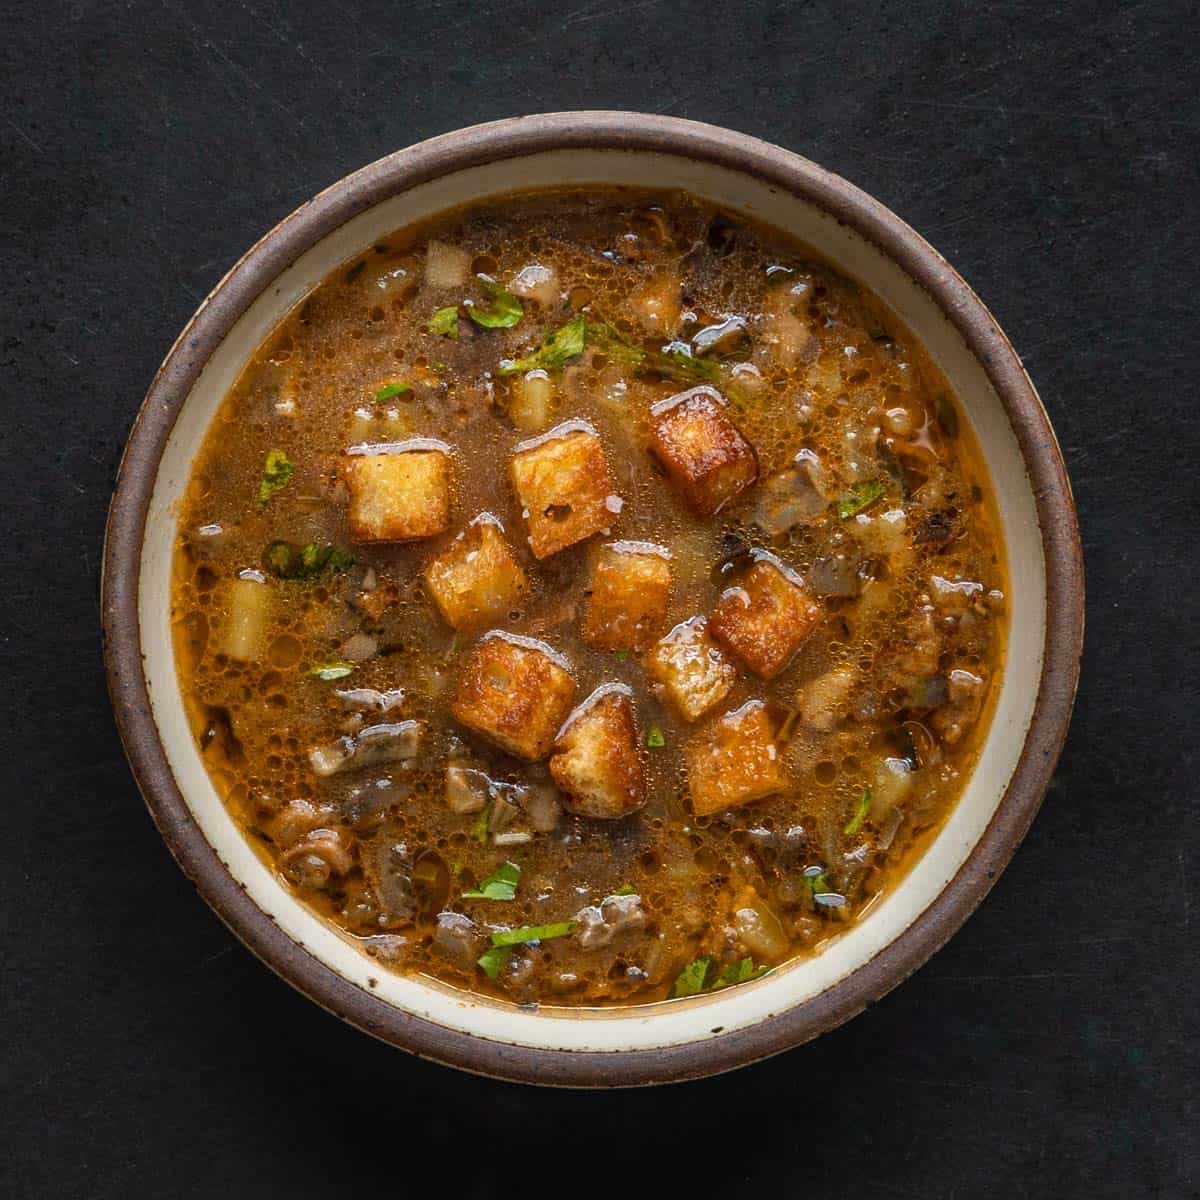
(596,761)
(690,669)
(401,494)
(515,692)
(476,581)
(627,607)
(704,453)
(563,484)
(734,760)
(764,618)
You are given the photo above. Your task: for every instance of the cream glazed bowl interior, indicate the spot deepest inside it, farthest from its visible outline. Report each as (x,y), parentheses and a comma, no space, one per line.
(676,1039)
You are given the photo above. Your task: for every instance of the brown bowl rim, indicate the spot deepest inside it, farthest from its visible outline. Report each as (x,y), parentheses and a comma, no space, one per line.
(492,142)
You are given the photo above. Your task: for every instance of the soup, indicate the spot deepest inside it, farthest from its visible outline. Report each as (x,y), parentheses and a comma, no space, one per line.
(589,597)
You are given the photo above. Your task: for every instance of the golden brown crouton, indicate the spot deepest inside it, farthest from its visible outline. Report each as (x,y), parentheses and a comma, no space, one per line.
(514,691)
(690,669)
(399,496)
(563,484)
(596,759)
(734,760)
(476,581)
(628,603)
(704,452)
(764,618)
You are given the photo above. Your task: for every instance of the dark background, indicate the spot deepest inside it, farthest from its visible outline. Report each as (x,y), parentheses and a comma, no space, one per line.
(1050,151)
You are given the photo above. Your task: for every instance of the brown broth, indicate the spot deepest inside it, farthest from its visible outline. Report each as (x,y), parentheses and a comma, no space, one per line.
(911,595)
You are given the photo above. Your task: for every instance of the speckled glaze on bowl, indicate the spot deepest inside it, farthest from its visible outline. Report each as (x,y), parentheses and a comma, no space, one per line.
(654,1043)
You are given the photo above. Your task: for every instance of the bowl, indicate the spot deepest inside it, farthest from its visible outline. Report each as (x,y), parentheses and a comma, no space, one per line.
(673,1040)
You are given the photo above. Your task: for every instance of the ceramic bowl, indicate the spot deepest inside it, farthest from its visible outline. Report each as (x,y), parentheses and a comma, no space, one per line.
(678,1039)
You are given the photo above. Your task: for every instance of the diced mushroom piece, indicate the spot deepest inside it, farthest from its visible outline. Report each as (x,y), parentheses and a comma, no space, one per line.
(965,691)
(458,940)
(249,613)
(466,789)
(764,618)
(398,495)
(359,647)
(318,856)
(600,923)
(627,607)
(476,581)
(564,486)
(721,337)
(391,742)
(734,760)
(690,669)
(388,867)
(446,266)
(515,692)
(597,762)
(536,282)
(791,498)
(295,819)
(823,701)
(704,453)
(370,700)
(543,807)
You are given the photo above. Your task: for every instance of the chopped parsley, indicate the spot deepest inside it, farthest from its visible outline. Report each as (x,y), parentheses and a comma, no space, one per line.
(691,980)
(655,738)
(500,886)
(479,829)
(860,813)
(503,311)
(390,390)
(444,322)
(741,971)
(307,563)
(860,497)
(564,343)
(532,933)
(332,670)
(621,655)
(491,961)
(626,889)
(277,471)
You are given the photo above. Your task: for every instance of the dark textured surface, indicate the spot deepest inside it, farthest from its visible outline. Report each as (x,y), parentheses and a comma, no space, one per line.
(1050,151)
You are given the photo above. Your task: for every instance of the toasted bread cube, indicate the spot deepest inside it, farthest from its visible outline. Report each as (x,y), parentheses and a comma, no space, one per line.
(628,603)
(690,669)
(563,484)
(703,451)
(513,692)
(398,497)
(734,760)
(596,760)
(476,581)
(764,618)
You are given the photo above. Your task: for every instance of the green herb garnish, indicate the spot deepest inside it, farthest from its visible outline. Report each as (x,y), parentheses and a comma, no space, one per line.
(492,960)
(277,471)
(690,981)
(741,971)
(444,322)
(500,886)
(308,563)
(532,933)
(860,497)
(332,670)
(655,738)
(860,813)
(626,889)
(563,344)
(621,655)
(503,312)
(390,390)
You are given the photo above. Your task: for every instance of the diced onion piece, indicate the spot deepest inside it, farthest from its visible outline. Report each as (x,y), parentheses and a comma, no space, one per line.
(530,405)
(535,282)
(512,839)
(759,929)
(823,700)
(446,266)
(249,614)
(657,305)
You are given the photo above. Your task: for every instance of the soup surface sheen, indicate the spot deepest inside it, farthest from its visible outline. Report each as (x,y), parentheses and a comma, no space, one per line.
(589,597)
